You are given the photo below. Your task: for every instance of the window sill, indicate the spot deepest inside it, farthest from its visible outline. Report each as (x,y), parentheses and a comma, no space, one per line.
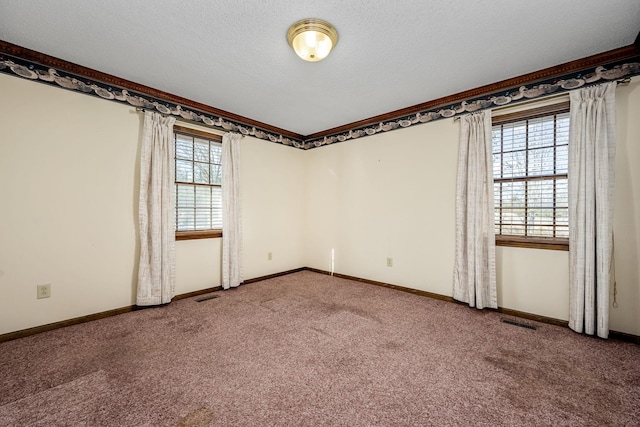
(533,242)
(198,234)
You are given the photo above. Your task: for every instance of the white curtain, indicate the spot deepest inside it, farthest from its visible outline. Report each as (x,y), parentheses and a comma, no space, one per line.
(231,212)
(474,279)
(156,273)
(592,145)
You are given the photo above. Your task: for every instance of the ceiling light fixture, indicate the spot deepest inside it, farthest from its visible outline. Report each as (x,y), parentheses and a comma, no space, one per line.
(312,39)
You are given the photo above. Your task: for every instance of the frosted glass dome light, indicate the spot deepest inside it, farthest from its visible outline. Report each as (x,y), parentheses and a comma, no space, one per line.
(312,39)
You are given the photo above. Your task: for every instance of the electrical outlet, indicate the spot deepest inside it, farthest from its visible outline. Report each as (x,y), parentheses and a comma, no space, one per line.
(269,256)
(389,262)
(43,291)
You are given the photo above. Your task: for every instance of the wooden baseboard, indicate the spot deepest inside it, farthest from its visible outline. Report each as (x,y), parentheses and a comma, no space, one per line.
(271,276)
(196,293)
(56,325)
(622,336)
(386,285)
(534,317)
(90,317)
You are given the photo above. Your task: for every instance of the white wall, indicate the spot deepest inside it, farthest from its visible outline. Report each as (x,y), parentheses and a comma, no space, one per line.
(68,207)
(626,228)
(68,202)
(386,196)
(393,195)
(533,281)
(273,219)
(67,195)
(273,208)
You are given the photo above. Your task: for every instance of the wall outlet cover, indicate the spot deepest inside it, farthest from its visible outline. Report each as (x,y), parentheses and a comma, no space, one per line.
(43,291)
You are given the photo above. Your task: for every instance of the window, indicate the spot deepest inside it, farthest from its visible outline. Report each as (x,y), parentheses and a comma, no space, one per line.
(530,162)
(198,184)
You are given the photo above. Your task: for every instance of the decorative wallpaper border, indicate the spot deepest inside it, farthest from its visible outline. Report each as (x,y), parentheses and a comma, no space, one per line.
(567,83)
(618,64)
(33,71)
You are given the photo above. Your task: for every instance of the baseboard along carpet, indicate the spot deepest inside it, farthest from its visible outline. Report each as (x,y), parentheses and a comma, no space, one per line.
(308,349)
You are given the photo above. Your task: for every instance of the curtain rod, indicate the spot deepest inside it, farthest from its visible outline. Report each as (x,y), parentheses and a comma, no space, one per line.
(182,119)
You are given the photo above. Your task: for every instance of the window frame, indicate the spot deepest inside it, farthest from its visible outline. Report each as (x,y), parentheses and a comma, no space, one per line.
(535,242)
(195,234)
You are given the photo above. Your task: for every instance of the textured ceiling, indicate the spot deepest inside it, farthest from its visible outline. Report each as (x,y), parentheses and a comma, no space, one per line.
(233,55)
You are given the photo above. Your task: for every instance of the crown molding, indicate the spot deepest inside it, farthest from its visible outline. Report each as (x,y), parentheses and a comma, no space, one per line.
(616,64)
(26,63)
(607,66)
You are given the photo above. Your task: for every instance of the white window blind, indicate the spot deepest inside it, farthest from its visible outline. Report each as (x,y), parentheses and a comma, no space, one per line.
(530,161)
(198,182)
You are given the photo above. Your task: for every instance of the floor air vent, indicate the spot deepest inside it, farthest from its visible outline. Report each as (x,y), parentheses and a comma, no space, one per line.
(207,298)
(516,323)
